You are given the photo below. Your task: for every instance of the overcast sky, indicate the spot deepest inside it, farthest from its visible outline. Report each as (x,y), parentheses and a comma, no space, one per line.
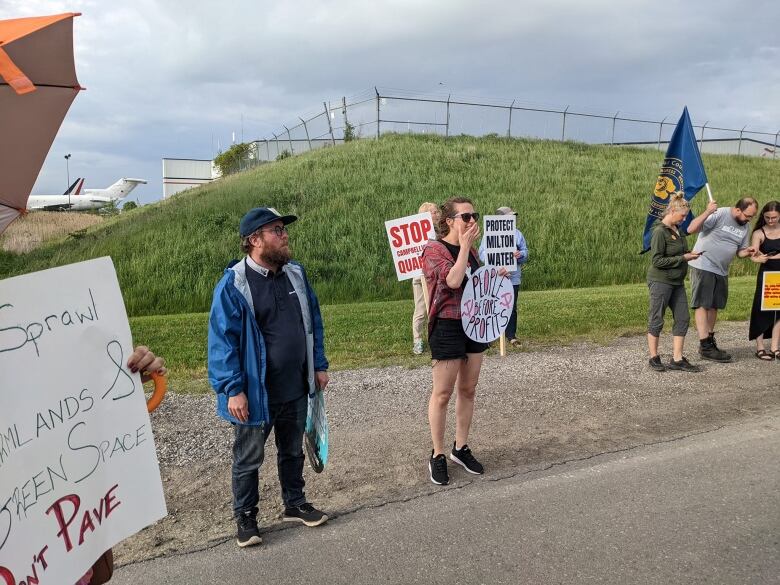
(173,78)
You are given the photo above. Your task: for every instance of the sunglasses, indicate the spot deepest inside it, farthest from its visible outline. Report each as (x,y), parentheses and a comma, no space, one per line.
(467,217)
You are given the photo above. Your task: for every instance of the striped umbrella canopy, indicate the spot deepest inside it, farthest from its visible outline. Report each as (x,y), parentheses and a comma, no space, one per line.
(37,86)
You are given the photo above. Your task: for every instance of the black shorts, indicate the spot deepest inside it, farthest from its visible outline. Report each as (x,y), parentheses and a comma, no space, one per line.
(448,341)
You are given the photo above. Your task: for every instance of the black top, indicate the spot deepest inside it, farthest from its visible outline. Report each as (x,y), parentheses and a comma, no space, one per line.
(473,262)
(278,315)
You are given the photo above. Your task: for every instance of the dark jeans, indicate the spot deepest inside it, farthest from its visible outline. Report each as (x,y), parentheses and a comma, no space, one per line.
(511,327)
(288,420)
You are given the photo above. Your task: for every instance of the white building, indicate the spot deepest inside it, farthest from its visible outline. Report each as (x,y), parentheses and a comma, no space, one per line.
(185,173)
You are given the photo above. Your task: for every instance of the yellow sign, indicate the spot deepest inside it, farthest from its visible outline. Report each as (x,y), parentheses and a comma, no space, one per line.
(770,293)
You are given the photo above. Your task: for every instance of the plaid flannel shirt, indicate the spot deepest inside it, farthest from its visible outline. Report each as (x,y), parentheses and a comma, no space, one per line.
(437,261)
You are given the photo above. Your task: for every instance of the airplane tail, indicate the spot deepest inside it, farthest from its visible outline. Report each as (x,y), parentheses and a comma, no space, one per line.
(75,188)
(122,188)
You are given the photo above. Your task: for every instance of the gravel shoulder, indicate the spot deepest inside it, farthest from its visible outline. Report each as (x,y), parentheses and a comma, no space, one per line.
(534,409)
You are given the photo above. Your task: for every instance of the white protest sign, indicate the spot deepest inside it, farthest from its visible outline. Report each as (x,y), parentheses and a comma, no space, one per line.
(500,243)
(486,304)
(78,467)
(407,236)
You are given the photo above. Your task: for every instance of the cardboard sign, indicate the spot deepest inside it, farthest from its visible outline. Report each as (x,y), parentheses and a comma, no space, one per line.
(407,237)
(500,242)
(770,291)
(486,305)
(78,467)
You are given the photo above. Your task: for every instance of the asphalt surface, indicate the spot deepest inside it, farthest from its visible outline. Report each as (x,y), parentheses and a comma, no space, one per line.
(698,509)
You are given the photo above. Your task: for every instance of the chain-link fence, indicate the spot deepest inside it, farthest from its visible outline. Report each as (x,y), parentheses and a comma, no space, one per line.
(373,112)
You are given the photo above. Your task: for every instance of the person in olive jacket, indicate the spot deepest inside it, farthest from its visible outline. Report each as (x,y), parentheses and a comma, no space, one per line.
(666,281)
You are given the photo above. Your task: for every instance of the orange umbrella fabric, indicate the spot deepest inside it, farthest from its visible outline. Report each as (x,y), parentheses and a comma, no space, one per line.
(37,86)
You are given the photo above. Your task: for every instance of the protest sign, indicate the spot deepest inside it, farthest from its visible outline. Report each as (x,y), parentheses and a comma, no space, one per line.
(500,242)
(78,467)
(407,237)
(770,292)
(486,304)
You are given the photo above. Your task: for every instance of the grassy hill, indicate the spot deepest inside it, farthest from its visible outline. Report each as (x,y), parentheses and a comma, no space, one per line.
(582,209)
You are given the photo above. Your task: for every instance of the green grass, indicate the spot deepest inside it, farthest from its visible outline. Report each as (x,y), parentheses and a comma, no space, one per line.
(582,209)
(378,334)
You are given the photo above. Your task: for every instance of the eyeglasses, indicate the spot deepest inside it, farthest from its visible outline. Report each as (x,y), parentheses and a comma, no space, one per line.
(278,230)
(467,217)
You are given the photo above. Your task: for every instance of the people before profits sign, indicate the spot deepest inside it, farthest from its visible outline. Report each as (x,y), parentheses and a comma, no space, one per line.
(407,237)
(78,466)
(486,304)
(500,242)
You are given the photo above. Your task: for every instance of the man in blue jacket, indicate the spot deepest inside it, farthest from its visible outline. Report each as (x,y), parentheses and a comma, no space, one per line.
(266,355)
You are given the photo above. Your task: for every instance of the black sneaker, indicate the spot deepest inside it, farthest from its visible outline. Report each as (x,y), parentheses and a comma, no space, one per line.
(437,467)
(305,513)
(710,351)
(464,458)
(683,365)
(725,357)
(655,363)
(248,534)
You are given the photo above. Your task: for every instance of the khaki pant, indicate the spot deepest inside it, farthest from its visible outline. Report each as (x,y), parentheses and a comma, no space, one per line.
(420,310)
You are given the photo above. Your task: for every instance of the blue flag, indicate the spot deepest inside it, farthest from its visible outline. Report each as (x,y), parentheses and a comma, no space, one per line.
(682,170)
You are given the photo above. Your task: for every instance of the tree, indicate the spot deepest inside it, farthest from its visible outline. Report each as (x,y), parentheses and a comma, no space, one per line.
(234,159)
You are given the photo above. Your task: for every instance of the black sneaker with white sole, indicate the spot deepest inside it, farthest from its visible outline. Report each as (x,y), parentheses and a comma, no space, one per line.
(248,534)
(464,458)
(437,467)
(305,513)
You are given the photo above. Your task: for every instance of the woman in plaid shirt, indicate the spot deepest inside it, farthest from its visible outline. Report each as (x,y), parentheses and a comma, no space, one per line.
(447,264)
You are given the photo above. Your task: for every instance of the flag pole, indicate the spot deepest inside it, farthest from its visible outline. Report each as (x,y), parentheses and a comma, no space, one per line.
(709,193)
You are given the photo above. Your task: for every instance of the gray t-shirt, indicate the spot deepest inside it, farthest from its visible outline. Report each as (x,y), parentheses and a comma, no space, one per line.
(720,239)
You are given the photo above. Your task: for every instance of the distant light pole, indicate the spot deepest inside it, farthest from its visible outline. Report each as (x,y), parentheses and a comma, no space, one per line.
(67,168)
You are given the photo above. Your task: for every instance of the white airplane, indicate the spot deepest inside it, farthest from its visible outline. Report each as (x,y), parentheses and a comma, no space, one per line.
(74,200)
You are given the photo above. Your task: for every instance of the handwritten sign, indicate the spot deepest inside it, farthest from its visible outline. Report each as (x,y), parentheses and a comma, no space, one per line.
(500,242)
(407,237)
(486,304)
(770,292)
(78,467)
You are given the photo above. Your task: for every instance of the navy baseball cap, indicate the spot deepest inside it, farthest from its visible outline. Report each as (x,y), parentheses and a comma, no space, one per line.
(260,216)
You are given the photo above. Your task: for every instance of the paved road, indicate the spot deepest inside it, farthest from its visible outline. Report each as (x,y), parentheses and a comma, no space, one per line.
(700,509)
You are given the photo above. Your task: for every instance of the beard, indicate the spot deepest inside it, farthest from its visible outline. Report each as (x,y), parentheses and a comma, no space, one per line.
(278,257)
(742,221)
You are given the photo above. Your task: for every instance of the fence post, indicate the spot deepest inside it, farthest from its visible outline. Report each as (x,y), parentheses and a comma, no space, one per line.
(563,129)
(277,144)
(614,118)
(701,139)
(509,128)
(267,151)
(660,131)
(447,127)
(377,112)
(289,139)
(739,145)
(307,131)
(330,127)
(774,153)
(344,111)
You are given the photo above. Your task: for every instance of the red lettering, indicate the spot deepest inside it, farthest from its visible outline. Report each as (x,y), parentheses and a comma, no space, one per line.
(33,580)
(41,558)
(64,524)
(7,576)
(86,524)
(396,241)
(110,499)
(417,233)
(426,227)
(405,230)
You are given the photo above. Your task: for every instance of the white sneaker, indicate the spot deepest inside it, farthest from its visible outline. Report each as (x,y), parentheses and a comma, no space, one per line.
(418,347)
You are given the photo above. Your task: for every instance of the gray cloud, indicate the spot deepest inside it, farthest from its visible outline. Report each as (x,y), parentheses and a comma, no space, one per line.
(175,77)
